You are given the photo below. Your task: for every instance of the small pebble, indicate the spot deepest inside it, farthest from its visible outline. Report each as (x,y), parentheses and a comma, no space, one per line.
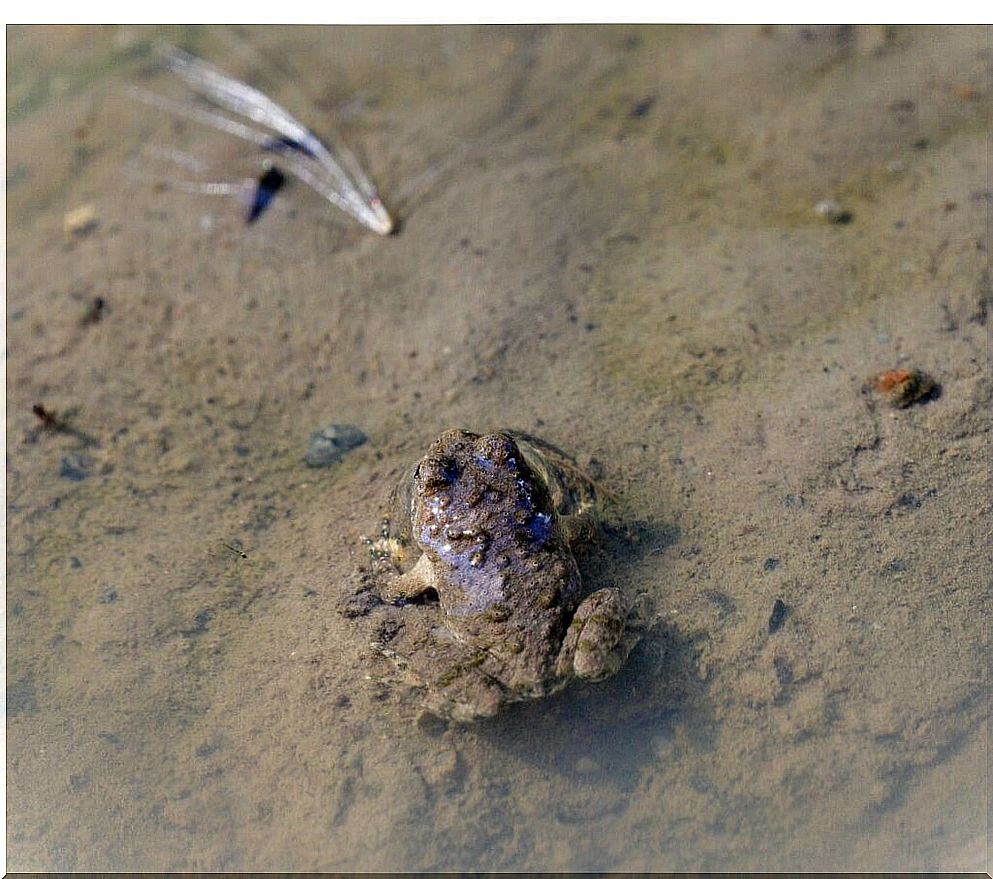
(642,107)
(778,615)
(80,221)
(784,671)
(329,445)
(73,469)
(831,210)
(94,311)
(904,387)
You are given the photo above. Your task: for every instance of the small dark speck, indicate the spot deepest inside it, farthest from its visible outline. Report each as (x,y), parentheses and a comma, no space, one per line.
(79,782)
(21,698)
(68,470)
(897,566)
(388,630)
(778,615)
(206,749)
(359,605)
(201,622)
(724,603)
(784,673)
(909,501)
(899,224)
(921,143)
(242,451)
(642,107)
(109,596)
(75,562)
(770,564)
(793,501)
(589,327)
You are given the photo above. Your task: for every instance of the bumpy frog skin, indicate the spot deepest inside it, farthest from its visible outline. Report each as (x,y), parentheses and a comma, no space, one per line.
(494,519)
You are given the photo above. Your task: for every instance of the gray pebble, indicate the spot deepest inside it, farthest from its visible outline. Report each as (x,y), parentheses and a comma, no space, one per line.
(73,468)
(329,444)
(831,210)
(778,615)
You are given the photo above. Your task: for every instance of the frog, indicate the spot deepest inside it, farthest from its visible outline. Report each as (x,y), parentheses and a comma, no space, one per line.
(486,602)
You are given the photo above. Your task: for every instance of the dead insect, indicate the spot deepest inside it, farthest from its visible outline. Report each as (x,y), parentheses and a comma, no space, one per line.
(271,181)
(235,549)
(49,420)
(54,422)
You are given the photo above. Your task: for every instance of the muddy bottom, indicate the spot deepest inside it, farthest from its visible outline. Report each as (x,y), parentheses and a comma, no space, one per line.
(609,237)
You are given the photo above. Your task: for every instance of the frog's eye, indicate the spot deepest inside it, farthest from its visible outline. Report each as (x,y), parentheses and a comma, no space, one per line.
(495,450)
(437,472)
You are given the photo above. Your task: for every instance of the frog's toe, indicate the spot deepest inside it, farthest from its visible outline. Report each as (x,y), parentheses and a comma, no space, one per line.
(415,582)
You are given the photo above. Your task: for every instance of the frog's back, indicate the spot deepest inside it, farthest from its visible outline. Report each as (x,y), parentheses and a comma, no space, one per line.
(573,492)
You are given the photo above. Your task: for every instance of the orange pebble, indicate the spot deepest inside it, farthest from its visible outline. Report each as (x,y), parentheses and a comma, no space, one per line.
(903,387)
(891,378)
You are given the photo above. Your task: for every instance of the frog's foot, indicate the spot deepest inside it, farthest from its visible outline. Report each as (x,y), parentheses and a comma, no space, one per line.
(448,674)
(414,583)
(580,528)
(595,646)
(462,693)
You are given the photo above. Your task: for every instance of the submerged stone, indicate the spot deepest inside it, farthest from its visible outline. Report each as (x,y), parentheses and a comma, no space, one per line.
(330,444)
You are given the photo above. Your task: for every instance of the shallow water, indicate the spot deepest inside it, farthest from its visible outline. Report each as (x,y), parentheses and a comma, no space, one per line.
(608,239)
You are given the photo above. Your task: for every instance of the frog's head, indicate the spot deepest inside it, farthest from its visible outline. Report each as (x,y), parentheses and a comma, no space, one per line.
(480,510)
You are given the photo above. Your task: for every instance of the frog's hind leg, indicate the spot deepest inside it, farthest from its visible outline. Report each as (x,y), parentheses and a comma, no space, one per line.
(595,645)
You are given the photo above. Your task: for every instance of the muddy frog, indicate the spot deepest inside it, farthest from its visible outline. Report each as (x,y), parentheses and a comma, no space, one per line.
(486,597)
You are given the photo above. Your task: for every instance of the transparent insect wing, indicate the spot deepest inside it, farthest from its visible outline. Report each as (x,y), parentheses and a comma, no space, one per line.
(308,158)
